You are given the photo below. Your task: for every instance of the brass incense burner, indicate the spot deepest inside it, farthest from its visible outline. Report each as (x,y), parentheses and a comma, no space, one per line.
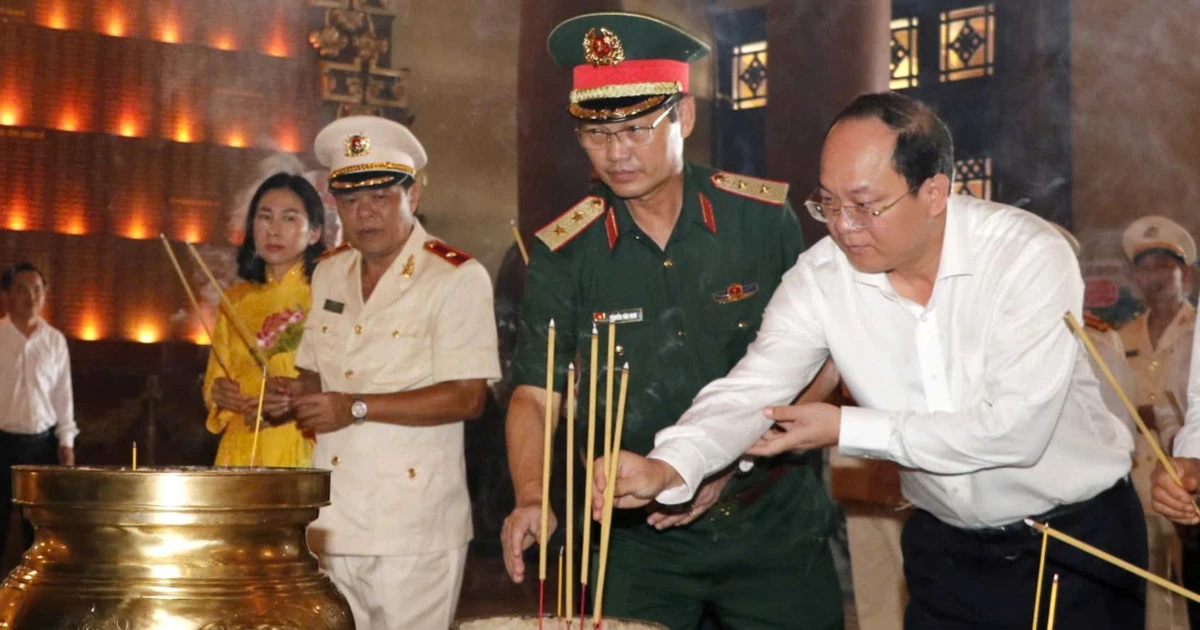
(170,549)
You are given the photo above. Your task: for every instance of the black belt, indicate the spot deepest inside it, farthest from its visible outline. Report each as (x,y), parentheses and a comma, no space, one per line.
(26,437)
(1063,516)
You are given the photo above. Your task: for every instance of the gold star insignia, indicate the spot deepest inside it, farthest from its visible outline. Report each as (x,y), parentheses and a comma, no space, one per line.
(766,190)
(577,217)
(410,265)
(559,230)
(741,185)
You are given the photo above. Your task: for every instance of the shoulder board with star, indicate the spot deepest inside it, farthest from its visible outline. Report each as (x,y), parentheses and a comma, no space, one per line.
(764,190)
(330,253)
(453,256)
(571,223)
(1095,323)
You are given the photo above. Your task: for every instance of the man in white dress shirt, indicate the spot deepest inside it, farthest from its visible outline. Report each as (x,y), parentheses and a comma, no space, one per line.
(37,411)
(945,316)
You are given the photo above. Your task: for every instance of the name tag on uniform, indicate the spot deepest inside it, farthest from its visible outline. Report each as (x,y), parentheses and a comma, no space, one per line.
(334,307)
(625,316)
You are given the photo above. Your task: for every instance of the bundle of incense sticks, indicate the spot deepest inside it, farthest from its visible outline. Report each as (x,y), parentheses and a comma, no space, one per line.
(613,429)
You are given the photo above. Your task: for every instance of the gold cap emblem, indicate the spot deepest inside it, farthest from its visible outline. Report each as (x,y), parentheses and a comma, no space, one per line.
(358,145)
(1151,232)
(603,49)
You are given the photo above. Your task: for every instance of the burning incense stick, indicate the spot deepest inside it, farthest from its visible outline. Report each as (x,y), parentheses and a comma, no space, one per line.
(262,391)
(234,318)
(1137,418)
(520,242)
(1111,559)
(1037,597)
(1053,603)
(195,304)
(547,444)
(610,485)
(586,547)
(570,509)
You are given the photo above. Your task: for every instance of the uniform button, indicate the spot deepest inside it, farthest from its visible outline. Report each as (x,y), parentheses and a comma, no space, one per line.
(1154,365)
(1152,397)
(412,473)
(358,330)
(681,333)
(335,461)
(620,349)
(324,329)
(924,318)
(349,373)
(395,334)
(742,324)
(668,263)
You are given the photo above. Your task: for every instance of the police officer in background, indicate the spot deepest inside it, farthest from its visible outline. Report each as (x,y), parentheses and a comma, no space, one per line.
(396,354)
(1158,347)
(685,258)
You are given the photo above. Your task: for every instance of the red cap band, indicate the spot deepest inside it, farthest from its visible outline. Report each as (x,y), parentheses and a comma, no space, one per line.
(632,72)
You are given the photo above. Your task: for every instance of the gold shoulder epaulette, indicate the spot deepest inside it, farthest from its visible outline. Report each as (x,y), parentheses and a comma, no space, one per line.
(764,190)
(569,224)
(330,253)
(1092,321)
(453,256)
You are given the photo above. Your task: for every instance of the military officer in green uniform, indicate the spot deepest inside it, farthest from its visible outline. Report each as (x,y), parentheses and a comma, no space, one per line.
(685,258)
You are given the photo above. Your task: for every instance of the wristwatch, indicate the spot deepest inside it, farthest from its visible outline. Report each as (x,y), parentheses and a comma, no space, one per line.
(358,409)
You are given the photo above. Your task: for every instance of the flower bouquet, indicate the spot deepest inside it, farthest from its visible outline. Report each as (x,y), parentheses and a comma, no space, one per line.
(281,331)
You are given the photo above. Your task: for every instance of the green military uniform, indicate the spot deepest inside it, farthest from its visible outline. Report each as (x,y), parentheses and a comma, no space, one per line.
(687,313)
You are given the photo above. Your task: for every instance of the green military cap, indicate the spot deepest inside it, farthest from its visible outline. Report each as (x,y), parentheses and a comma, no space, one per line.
(624,64)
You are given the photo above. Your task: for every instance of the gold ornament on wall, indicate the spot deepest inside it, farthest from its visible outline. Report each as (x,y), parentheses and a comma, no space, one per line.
(353,41)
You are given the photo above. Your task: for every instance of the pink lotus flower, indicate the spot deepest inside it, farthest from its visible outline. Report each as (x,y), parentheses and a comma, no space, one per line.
(281,331)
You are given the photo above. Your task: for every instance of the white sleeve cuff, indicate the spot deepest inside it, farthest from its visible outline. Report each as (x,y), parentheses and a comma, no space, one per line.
(865,433)
(688,462)
(1187,441)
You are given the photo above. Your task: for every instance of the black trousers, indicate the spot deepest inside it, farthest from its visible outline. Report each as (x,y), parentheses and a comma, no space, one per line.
(18,449)
(1191,575)
(960,578)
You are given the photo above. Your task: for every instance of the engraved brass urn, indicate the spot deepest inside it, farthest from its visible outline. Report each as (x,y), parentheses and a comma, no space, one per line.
(170,549)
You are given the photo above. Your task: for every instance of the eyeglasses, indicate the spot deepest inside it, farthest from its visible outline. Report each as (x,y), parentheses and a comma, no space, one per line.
(596,139)
(828,210)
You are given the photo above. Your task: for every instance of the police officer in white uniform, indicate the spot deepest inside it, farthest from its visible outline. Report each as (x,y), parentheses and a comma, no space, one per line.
(1158,347)
(397,352)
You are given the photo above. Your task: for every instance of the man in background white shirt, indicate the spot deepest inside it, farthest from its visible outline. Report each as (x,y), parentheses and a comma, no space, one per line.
(945,316)
(37,411)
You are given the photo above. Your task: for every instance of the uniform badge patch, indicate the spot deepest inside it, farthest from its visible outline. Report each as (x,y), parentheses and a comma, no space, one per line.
(624,316)
(334,307)
(735,293)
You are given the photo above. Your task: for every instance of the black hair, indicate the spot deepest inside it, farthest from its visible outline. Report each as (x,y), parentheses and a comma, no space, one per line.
(924,147)
(251,266)
(10,275)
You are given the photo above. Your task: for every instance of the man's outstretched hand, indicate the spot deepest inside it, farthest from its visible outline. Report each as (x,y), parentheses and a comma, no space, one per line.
(639,480)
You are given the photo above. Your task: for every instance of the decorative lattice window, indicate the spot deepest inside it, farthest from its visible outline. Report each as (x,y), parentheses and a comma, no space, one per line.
(750,75)
(973,176)
(903,65)
(968,43)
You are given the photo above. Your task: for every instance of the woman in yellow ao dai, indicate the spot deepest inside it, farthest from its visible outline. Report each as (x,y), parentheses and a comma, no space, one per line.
(275,262)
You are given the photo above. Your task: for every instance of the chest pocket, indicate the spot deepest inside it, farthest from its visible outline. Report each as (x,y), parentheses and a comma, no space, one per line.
(395,353)
(732,326)
(324,332)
